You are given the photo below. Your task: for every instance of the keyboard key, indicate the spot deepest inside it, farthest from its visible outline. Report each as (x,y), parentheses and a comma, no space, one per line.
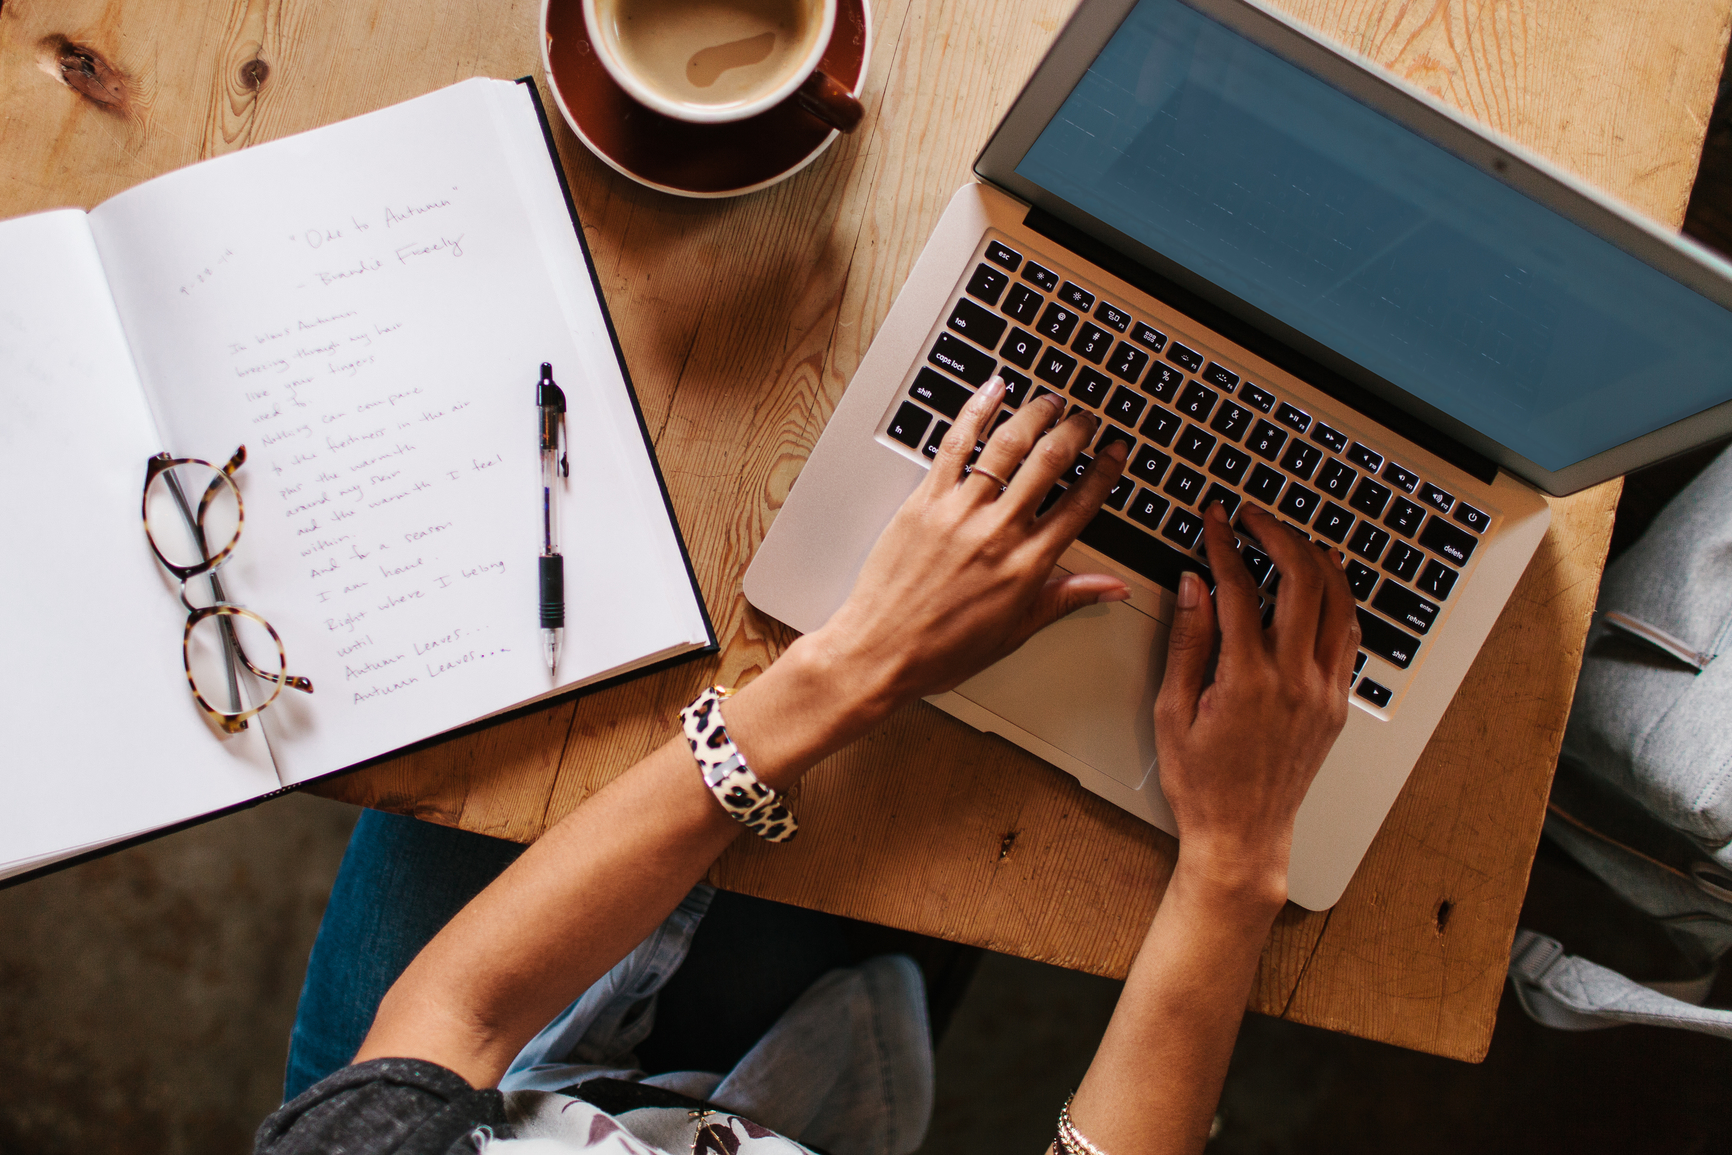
(1186,356)
(1394,645)
(1333,522)
(1120,493)
(1299,503)
(1149,509)
(1404,516)
(975,323)
(1359,661)
(1370,497)
(1436,580)
(1148,466)
(930,449)
(1195,445)
(1401,477)
(1016,387)
(909,424)
(1146,554)
(1375,693)
(1127,362)
(1111,433)
(1218,492)
(1076,297)
(1126,405)
(1050,500)
(1040,275)
(1003,416)
(1403,561)
(1055,367)
(940,392)
(1301,459)
(1257,398)
(987,284)
(1160,426)
(1361,578)
(1258,563)
(1150,338)
(1056,323)
(1091,387)
(1074,474)
(1266,440)
(1023,304)
(1367,459)
(1164,382)
(1293,418)
(1091,343)
(1000,254)
(1020,348)
(1435,497)
(1405,607)
(1185,484)
(1230,465)
(1112,317)
(1221,377)
(1184,527)
(1231,420)
(1450,543)
(1333,439)
(1368,541)
(1265,485)
(962,359)
(1197,401)
(1471,517)
(1336,479)
(1042,391)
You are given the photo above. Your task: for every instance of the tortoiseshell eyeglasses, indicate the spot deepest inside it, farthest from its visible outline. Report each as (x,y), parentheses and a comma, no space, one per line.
(192,541)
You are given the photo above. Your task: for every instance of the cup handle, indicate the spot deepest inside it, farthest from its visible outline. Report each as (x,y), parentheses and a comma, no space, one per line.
(830,102)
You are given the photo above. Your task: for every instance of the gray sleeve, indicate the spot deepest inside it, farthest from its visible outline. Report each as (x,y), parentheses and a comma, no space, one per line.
(384,1107)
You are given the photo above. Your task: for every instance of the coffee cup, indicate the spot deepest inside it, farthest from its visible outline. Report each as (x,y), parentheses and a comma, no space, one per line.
(713,61)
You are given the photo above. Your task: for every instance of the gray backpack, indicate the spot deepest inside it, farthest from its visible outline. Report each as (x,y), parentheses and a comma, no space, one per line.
(1643,793)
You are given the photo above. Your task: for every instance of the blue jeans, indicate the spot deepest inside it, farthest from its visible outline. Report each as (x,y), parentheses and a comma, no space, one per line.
(402,880)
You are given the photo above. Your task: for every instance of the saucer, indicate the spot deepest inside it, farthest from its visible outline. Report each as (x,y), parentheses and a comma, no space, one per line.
(676,156)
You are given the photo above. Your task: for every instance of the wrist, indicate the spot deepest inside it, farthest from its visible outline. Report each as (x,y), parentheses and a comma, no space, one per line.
(1251,884)
(812,701)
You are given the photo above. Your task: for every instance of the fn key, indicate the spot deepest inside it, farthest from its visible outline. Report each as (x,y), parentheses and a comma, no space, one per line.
(909,424)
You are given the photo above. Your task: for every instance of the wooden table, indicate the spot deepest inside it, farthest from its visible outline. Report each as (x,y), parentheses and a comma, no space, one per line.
(743,320)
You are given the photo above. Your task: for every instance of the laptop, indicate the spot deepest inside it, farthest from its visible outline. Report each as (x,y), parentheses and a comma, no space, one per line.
(1285,278)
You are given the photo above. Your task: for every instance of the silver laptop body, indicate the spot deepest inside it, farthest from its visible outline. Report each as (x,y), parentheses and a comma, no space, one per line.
(1285,278)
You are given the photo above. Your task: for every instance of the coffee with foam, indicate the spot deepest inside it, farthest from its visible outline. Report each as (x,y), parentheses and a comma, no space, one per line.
(711,53)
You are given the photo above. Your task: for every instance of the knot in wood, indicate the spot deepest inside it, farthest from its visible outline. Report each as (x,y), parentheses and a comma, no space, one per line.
(253,74)
(84,70)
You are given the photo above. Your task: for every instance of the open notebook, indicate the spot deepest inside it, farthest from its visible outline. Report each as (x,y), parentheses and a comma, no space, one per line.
(365,307)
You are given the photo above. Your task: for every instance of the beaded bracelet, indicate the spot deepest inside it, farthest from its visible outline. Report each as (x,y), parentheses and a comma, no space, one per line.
(746,800)
(1072,1141)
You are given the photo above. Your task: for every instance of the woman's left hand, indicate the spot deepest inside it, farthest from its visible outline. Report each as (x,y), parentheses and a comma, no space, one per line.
(963,574)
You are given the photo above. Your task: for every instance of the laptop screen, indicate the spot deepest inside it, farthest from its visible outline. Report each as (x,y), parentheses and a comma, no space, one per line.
(1326,215)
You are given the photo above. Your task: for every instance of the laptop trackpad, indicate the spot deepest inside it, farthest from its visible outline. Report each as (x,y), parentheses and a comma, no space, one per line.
(1085,684)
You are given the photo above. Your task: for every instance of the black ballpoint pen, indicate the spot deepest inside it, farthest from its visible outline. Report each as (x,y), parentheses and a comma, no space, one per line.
(554,465)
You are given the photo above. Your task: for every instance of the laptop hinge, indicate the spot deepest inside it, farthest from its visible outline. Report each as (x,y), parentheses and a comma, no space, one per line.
(1271,349)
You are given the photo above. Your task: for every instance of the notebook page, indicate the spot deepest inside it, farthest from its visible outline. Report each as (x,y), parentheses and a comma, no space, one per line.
(366,308)
(103,740)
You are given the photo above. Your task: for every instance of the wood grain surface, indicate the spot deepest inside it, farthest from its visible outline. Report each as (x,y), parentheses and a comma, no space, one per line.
(742,321)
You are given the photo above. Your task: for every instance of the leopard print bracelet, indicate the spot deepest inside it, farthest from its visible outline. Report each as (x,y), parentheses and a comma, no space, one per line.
(747,801)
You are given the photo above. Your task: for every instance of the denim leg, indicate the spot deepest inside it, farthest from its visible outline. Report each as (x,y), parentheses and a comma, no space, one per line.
(401,881)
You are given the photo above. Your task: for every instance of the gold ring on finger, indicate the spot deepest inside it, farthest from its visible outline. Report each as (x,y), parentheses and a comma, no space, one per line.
(1002,483)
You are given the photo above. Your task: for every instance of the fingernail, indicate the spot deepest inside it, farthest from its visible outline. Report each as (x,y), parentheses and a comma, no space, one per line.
(1116,450)
(1119,595)
(1190,590)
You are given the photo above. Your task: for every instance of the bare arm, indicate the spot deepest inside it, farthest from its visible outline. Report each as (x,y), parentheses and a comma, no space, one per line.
(1236,758)
(962,576)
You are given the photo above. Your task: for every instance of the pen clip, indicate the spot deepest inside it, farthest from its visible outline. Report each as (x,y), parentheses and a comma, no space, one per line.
(564,459)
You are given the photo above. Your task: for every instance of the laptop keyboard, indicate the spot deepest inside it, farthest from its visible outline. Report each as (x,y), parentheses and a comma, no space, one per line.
(1199,432)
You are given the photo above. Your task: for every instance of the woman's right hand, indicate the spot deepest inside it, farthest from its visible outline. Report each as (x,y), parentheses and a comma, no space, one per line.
(1238,752)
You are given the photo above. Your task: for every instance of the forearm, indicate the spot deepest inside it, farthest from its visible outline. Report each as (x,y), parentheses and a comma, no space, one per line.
(605,876)
(1157,1074)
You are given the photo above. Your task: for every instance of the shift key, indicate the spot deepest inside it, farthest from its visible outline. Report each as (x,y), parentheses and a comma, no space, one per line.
(962,359)
(940,392)
(1393,645)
